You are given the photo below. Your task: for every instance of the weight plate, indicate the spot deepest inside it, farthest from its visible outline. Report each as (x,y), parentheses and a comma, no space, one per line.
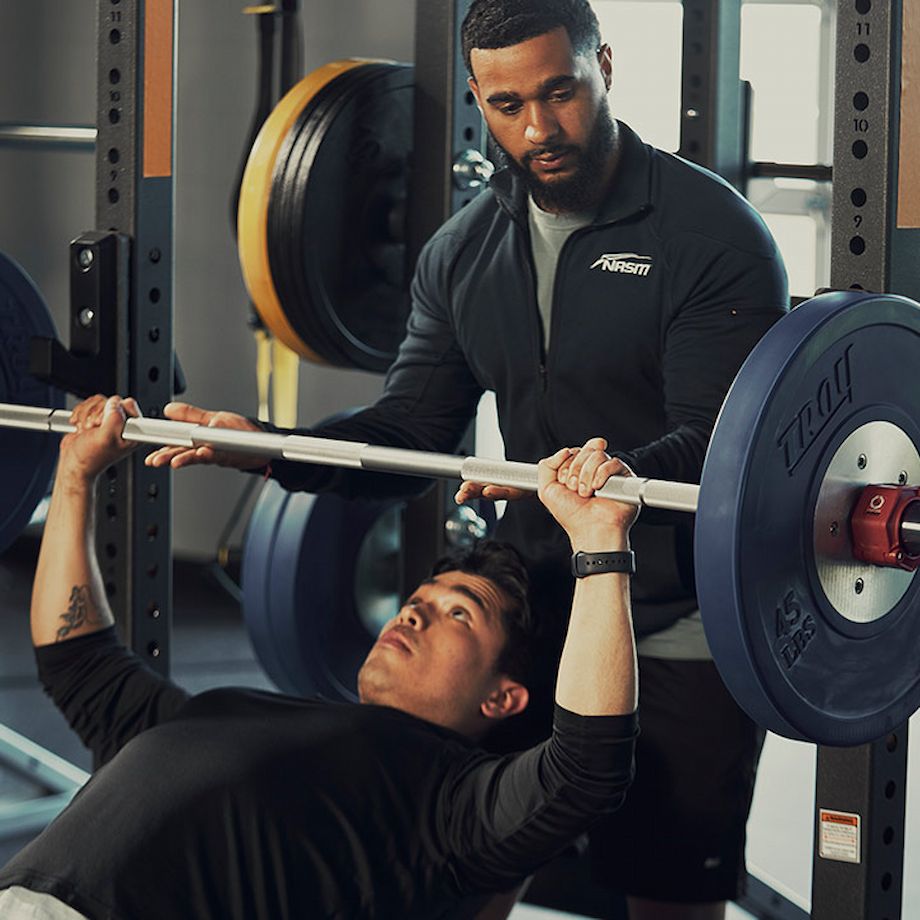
(336,215)
(27,457)
(261,534)
(286,207)
(300,572)
(255,190)
(795,660)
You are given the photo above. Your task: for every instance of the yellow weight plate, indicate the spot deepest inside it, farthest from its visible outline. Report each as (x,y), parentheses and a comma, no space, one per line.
(255,192)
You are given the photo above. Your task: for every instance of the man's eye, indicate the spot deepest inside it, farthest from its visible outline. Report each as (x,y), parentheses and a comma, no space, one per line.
(460,614)
(562,95)
(512,108)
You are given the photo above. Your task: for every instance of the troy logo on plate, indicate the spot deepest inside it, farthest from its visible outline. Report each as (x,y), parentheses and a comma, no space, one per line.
(627,263)
(834,391)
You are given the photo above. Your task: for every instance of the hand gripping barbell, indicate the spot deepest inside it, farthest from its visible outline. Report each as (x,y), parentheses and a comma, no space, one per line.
(807,514)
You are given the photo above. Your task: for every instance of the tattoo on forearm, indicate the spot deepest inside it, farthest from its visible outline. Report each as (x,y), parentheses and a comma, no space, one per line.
(80,612)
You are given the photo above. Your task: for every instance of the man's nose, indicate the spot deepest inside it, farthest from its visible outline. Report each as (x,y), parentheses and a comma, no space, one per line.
(412,615)
(542,125)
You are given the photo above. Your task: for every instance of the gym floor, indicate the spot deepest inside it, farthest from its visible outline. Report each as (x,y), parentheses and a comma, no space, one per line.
(211,648)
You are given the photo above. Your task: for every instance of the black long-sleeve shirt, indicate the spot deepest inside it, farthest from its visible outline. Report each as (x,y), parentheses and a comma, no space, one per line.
(641,357)
(245,805)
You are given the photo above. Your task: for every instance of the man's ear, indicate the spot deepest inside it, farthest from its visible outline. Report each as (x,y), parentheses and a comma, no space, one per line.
(507,699)
(474,89)
(605,59)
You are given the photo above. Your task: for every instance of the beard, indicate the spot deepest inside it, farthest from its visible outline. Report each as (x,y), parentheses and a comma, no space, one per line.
(583,189)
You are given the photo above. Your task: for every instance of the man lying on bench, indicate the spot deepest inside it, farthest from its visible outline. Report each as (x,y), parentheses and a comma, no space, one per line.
(245,804)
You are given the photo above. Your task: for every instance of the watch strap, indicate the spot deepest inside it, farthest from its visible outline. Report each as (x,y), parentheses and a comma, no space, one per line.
(584,564)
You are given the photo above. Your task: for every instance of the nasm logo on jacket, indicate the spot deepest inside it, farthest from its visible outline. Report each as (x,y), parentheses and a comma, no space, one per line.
(626,263)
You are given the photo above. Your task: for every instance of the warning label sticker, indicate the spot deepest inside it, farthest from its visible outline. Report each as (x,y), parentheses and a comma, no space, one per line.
(838,836)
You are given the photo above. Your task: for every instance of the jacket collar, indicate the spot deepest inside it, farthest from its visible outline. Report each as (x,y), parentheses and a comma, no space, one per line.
(630,190)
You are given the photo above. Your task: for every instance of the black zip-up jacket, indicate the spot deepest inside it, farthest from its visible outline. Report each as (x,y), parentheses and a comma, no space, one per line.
(656,305)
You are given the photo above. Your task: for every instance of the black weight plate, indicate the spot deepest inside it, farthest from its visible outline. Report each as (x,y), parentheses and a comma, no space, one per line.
(339,207)
(27,458)
(285,209)
(790,659)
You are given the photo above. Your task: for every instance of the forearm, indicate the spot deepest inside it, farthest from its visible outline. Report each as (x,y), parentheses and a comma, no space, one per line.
(68,595)
(597,671)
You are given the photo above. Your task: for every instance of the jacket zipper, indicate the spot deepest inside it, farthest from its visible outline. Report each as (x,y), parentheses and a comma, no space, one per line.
(553,329)
(541,335)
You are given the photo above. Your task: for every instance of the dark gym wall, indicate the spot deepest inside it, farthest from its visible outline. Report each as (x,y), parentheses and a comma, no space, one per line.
(47,76)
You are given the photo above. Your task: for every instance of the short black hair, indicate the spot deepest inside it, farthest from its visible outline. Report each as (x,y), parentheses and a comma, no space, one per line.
(503,23)
(502,565)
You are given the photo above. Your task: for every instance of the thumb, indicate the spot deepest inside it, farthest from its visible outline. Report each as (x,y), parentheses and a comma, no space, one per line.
(185,412)
(113,416)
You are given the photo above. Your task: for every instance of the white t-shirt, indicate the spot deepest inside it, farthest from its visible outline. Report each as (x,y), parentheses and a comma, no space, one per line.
(548,233)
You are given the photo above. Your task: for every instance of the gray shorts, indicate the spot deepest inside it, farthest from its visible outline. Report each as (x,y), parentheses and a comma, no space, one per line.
(22,904)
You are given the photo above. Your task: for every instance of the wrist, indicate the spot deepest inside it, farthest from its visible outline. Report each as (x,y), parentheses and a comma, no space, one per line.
(601,541)
(73,479)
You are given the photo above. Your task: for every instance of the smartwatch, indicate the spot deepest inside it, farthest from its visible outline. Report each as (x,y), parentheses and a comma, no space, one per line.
(597,563)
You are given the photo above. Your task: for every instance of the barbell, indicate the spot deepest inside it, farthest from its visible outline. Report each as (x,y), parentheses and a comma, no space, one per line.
(807,514)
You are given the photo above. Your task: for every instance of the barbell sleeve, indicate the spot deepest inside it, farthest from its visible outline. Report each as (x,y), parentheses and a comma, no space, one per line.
(675,496)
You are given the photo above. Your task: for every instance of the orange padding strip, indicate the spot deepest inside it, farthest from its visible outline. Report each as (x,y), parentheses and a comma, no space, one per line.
(158,87)
(908,160)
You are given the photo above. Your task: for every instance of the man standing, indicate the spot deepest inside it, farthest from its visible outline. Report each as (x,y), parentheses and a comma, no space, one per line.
(600,287)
